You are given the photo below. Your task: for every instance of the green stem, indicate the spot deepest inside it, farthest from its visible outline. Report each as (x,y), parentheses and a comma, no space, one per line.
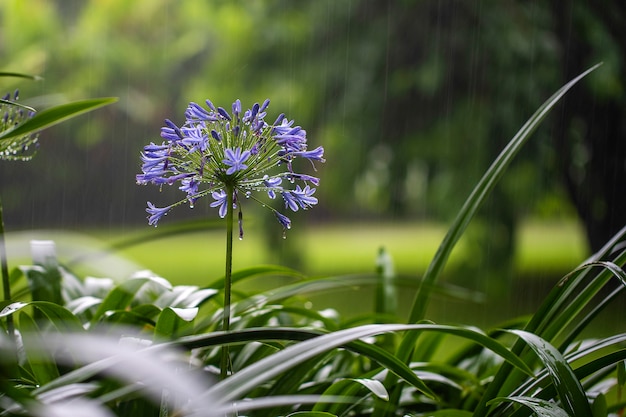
(225,362)
(6,284)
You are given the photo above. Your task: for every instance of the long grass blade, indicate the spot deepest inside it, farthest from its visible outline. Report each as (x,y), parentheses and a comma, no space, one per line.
(55,115)
(20,75)
(539,407)
(479,194)
(460,223)
(248,378)
(568,387)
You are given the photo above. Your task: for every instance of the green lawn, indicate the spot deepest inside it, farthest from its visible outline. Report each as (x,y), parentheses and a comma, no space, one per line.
(194,258)
(547,250)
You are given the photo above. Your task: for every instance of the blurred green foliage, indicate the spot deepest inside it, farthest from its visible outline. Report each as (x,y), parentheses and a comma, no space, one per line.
(411,99)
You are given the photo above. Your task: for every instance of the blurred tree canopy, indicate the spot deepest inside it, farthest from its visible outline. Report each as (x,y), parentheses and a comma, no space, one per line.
(412,100)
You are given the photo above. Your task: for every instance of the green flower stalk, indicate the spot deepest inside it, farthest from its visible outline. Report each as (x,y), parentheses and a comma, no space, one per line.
(231,156)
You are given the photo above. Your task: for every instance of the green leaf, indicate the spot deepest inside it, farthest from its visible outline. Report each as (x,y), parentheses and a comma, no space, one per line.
(16,104)
(60,317)
(121,296)
(256,271)
(184,296)
(44,283)
(345,387)
(382,357)
(374,386)
(478,196)
(311,414)
(450,413)
(174,322)
(55,115)
(541,408)
(599,407)
(568,387)
(42,365)
(460,223)
(20,75)
(81,304)
(386,293)
(621,373)
(255,374)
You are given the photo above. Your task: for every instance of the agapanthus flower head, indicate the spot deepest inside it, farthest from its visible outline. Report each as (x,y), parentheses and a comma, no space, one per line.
(19,148)
(215,150)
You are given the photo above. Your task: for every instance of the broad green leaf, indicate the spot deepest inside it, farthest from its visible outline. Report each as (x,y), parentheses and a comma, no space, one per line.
(599,407)
(311,414)
(184,296)
(113,319)
(41,363)
(374,386)
(12,308)
(82,304)
(149,311)
(44,283)
(121,296)
(174,322)
(60,317)
(345,387)
(55,115)
(568,387)
(541,408)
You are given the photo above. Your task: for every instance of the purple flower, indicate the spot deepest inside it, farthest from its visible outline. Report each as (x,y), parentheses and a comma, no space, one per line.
(214,150)
(220,201)
(195,139)
(284,220)
(272,185)
(300,198)
(316,154)
(156,213)
(197,112)
(237,108)
(190,186)
(303,177)
(235,160)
